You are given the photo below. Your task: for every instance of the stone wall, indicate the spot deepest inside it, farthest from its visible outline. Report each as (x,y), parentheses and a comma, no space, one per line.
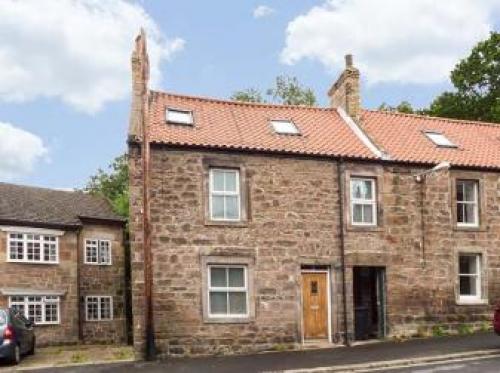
(293,210)
(104,280)
(62,277)
(55,277)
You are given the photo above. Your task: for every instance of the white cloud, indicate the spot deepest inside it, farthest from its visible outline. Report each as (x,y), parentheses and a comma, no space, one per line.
(75,50)
(408,41)
(262,11)
(20,151)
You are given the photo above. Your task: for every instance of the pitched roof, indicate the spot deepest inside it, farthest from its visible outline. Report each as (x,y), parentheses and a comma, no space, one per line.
(245,126)
(48,207)
(403,137)
(226,124)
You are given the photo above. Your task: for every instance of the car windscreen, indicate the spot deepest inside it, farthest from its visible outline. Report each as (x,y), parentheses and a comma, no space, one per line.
(3,317)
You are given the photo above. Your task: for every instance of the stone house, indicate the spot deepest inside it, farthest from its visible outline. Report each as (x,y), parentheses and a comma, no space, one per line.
(62,262)
(261,226)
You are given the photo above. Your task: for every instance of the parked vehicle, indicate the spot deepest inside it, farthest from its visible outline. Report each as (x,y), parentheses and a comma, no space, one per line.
(17,336)
(496,320)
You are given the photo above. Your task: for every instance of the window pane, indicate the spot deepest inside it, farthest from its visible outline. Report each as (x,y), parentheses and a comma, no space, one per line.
(236,277)
(460,213)
(92,309)
(357,213)
(51,312)
(460,191)
(231,181)
(232,208)
(367,214)
(356,189)
(218,207)
(237,303)
(367,189)
(470,213)
(467,264)
(218,277)
(469,191)
(218,303)
(218,180)
(468,285)
(105,308)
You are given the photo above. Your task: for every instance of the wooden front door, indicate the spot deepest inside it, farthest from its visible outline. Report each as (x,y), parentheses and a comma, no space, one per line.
(314,305)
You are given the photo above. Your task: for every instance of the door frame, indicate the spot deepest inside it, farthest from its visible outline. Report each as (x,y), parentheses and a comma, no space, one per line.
(328,300)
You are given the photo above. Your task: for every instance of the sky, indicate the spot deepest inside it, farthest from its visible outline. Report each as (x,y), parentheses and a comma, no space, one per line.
(65,65)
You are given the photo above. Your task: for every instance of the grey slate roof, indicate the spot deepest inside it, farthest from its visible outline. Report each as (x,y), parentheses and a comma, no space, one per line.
(40,206)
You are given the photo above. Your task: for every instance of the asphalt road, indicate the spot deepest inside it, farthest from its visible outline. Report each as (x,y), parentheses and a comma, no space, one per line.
(491,365)
(383,351)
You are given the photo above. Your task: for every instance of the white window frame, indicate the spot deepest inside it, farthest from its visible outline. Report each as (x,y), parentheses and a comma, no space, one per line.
(439,139)
(25,241)
(471,298)
(189,113)
(279,125)
(96,243)
(44,300)
(227,290)
(475,203)
(362,201)
(99,310)
(213,193)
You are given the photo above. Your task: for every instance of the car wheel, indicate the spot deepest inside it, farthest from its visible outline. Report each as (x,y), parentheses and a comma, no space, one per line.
(16,355)
(32,349)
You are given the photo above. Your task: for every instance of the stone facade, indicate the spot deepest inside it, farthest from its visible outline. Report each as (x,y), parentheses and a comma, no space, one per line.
(293,221)
(62,278)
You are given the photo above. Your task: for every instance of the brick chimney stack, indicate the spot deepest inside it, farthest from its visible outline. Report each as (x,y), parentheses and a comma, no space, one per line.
(345,92)
(140,89)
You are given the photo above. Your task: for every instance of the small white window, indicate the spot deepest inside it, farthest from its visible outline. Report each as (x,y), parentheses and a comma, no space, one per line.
(33,248)
(180,116)
(98,252)
(225,194)
(469,276)
(41,310)
(439,139)
(363,201)
(227,291)
(467,203)
(99,308)
(285,127)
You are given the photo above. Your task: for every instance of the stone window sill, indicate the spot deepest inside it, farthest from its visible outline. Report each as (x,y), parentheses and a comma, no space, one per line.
(222,223)
(459,228)
(479,302)
(229,320)
(364,228)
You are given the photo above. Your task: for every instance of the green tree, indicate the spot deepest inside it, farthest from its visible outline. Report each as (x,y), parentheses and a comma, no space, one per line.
(247,95)
(113,185)
(476,79)
(403,107)
(287,91)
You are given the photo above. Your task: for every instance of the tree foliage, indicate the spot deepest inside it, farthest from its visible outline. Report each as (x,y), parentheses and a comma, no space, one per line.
(113,185)
(476,79)
(247,95)
(287,91)
(403,107)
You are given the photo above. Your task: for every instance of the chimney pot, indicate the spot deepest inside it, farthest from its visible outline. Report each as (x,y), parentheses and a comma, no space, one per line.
(348,60)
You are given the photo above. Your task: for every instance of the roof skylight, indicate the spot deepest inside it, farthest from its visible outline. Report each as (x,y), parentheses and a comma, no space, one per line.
(285,127)
(439,139)
(179,116)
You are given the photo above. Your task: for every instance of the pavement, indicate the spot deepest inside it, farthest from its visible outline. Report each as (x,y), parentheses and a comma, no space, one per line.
(367,357)
(486,365)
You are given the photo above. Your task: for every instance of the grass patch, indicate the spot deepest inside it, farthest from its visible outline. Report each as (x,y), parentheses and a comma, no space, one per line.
(123,354)
(79,357)
(439,331)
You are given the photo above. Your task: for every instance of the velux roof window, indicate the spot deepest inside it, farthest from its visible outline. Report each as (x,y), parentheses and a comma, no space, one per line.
(284,127)
(179,116)
(439,139)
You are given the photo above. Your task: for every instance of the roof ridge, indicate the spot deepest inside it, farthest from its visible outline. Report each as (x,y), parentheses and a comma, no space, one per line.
(242,103)
(443,119)
(40,188)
